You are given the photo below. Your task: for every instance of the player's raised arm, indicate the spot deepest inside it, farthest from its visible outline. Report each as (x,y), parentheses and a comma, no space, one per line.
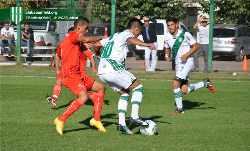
(88,39)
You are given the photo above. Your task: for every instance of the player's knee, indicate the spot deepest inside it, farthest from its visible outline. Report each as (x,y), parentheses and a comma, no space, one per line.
(175,84)
(83,97)
(99,87)
(138,88)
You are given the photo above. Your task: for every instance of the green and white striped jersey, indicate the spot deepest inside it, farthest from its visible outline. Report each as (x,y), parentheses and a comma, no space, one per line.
(114,52)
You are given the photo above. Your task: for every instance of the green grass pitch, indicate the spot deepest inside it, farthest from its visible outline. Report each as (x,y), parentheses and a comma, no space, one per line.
(212,122)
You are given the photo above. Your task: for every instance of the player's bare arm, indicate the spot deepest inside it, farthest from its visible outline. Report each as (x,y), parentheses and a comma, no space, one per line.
(58,64)
(135,41)
(88,39)
(193,49)
(167,54)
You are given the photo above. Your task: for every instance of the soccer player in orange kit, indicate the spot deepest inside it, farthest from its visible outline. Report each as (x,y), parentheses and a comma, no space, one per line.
(72,78)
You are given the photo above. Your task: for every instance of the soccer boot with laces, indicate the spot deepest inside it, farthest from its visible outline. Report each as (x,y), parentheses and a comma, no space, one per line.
(97,124)
(179,110)
(209,85)
(59,126)
(124,130)
(137,122)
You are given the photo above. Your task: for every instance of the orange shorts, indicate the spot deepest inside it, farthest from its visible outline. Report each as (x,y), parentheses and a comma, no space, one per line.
(76,84)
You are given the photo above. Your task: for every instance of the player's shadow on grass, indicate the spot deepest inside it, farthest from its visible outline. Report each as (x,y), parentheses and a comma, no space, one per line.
(89,102)
(156,118)
(189,105)
(87,126)
(104,120)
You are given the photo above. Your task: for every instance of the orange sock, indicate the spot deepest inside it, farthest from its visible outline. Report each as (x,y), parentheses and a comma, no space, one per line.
(74,106)
(97,99)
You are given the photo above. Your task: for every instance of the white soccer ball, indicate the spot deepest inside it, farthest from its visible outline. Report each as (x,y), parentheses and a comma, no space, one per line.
(149,130)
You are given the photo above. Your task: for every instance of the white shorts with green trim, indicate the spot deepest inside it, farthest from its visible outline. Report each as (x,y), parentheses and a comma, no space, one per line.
(183,69)
(118,80)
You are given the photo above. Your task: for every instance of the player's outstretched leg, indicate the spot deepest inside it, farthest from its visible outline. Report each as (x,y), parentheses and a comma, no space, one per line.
(206,83)
(122,110)
(74,106)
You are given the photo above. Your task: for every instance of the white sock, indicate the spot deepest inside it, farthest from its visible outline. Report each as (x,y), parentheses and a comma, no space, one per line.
(195,86)
(122,108)
(136,100)
(178,98)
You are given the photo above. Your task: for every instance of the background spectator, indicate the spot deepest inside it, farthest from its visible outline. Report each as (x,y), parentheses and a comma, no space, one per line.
(202,28)
(28,39)
(7,38)
(149,36)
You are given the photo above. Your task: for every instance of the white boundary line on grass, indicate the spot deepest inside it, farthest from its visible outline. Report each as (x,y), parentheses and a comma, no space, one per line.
(52,77)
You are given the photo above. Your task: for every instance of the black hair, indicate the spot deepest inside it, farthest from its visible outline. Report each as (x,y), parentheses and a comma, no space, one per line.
(71,29)
(81,20)
(173,19)
(26,23)
(134,22)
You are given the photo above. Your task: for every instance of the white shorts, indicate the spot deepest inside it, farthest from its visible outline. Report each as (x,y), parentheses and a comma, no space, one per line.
(183,69)
(118,80)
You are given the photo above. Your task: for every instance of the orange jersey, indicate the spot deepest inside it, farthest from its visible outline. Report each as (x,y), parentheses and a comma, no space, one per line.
(87,54)
(70,53)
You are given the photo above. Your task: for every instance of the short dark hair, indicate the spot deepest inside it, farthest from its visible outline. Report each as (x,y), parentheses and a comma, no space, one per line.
(173,19)
(81,20)
(26,23)
(71,29)
(134,22)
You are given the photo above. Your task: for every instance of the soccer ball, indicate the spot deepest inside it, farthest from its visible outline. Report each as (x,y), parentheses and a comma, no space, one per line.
(149,130)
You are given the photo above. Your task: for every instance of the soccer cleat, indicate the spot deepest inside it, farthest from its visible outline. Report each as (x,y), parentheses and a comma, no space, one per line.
(97,124)
(52,100)
(209,85)
(124,130)
(137,122)
(59,126)
(179,110)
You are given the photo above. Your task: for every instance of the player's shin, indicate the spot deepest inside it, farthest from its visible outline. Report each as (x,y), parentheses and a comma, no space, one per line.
(74,106)
(137,95)
(178,98)
(122,108)
(195,86)
(97,99)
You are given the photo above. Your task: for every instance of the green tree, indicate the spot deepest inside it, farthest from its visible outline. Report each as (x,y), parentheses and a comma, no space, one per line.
(131,8)
(229,11)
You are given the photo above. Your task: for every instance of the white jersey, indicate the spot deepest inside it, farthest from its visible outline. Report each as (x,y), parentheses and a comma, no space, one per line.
(114,52)
(9,32)
(203,34)
(185,46)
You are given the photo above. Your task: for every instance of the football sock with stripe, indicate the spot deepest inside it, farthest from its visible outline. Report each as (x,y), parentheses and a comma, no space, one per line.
(74,106)
(195,86)
(97,99)
(178,94)
(122,108)
(137,94)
